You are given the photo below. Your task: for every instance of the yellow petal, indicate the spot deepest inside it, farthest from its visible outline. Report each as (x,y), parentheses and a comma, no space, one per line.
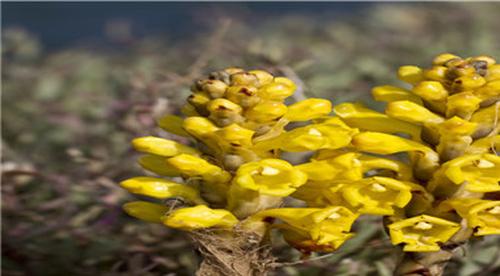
(316,136)
(444,58)
(274,177)
(266,111)
(411,112)
(389,93)
(158,165)
(308,109)
(199,217)
(356,115)
(161,189)
(161,147)
(483,216)
(489,144)
(430,90)
(195,166)
(480,172)
(462,104)
(173,124)
(146,211)
(263,76)
(278,90)
(199,127)
(410,74)
(422,233)
(377,195)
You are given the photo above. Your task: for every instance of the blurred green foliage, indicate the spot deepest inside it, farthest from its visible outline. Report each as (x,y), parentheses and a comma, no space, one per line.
(68,117)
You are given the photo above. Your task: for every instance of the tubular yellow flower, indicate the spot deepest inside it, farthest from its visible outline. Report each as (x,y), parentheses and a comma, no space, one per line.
(195,166)
(235,135)
(161,189)
(430,90)
(489,144)
(172,124)
(315,137)
(462,104)
(263,76)
(146,211)
(389,93)
(422,233)
(313,229)
(158,165)
(308,109)
(245,96)
(224,112)
(199,127)
(266,111)
(278,90)
(480,172)
(366,119)
(400,169)
(273,177)
(199,217)
(161,147)
(377,195)
(411,112)
(379,143)
(483,216)
(410,74)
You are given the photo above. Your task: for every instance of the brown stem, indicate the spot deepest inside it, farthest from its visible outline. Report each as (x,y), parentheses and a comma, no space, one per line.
(235,253)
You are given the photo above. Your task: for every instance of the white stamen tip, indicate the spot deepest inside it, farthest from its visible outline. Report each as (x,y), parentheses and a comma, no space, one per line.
(314,132)
(495,210)
(484,164)
(270,171)
(378,188)
(423,225)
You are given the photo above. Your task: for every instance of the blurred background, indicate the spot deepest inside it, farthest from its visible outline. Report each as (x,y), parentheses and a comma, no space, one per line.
(80,80)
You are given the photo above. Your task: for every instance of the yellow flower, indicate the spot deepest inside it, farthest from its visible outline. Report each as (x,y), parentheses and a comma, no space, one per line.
(308,109)
(224,112)
(273,177)
(410,74)
(195,166)
(483,216)
(199,217)
(356,115)
(146,211)
(454,137)
(377,195)
(313,229)
(480,173)
(422,233)
(161,147)
(321,193)
(161,189)
(158,165)
(401,170)
(315,137)
(172,124)
(266,111)
(489,144)
(278,90)
(430,90)
(411,112)
(426,160)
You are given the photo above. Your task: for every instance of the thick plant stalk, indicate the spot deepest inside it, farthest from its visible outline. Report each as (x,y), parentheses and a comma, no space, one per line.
(241,254)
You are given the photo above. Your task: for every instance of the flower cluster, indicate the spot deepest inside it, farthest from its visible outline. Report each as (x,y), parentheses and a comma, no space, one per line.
(233,175)
(450,118)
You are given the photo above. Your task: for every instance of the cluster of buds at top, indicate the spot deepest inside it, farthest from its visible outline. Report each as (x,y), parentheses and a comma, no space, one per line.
(234,176)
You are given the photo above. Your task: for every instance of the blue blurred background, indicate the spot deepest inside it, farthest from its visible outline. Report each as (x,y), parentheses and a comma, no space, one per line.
(59,25)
